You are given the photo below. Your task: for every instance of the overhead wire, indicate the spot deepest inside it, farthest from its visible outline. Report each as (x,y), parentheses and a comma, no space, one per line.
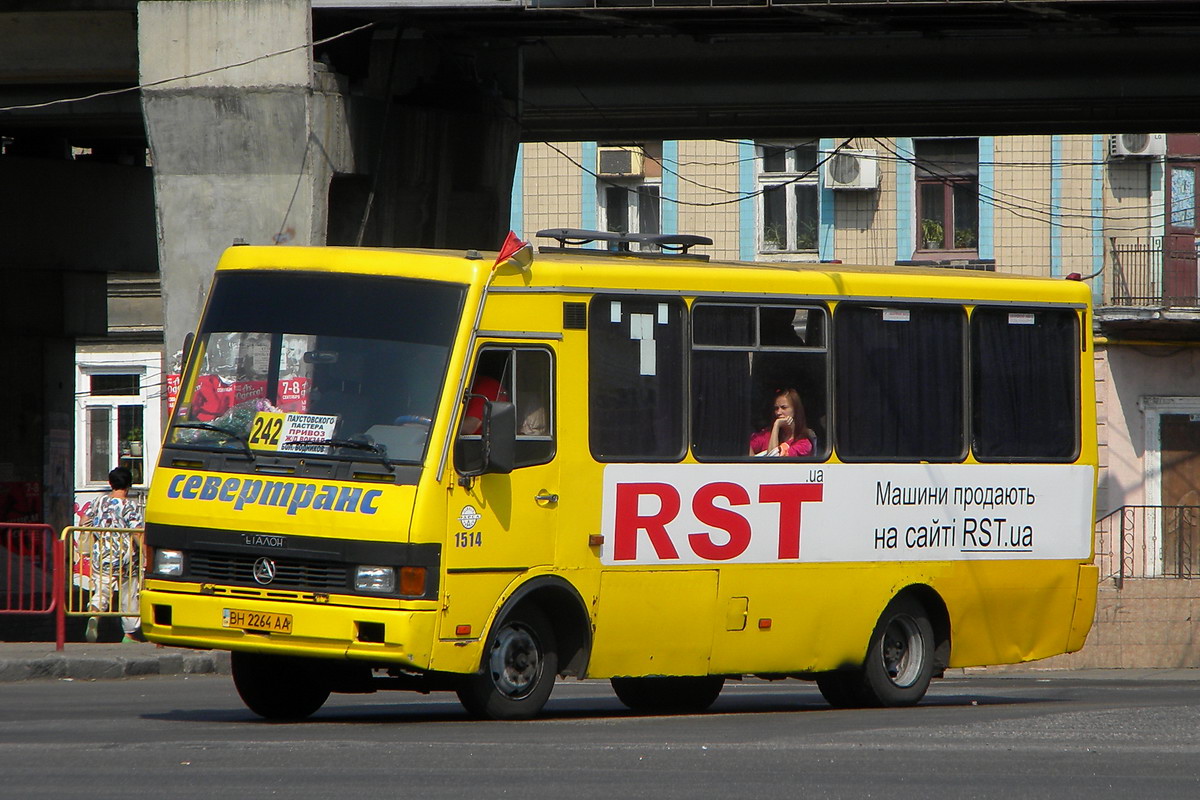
(1055,214)
(164,81)
(1021,209)
(1004,205)
(741,196)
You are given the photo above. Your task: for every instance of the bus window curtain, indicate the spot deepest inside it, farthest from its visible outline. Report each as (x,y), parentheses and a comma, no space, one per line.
(899,382)
(721,411)
(636,389)
(1024,379)
(721,384)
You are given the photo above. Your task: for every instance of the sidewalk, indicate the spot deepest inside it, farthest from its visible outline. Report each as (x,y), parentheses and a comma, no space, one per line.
(22,661)
(1032,672)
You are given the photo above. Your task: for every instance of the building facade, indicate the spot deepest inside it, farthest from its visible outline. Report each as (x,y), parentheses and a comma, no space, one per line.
(119,388)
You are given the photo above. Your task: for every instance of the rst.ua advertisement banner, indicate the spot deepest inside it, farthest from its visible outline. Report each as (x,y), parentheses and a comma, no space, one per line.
(789,512)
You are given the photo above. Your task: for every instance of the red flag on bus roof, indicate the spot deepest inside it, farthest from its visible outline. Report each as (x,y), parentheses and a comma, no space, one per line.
(514,250)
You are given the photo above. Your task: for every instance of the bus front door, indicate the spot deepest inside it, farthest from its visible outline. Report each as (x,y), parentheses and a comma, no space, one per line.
(502,525)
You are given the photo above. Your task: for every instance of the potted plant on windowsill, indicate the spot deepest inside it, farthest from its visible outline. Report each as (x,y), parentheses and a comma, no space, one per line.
(774,237)
(133,441)
(933,235)
(806,237)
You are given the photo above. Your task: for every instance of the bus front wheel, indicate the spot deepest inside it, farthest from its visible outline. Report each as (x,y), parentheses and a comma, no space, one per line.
(518,670)
(280,688)
(685,695)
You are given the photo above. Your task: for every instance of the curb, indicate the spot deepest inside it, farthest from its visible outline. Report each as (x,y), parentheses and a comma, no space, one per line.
(90,668)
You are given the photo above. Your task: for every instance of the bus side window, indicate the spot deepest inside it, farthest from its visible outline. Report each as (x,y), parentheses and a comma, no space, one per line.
(743,356)
(636,390)
(900,381)
(1025,383)
(523,376)
(533,395)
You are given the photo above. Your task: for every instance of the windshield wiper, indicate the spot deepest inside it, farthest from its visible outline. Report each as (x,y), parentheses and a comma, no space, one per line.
(205,426)
(354,444)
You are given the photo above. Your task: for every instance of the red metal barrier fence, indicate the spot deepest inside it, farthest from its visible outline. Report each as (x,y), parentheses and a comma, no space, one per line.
(31,559)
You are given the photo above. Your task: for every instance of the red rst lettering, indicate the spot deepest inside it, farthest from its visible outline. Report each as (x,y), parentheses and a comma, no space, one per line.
(628,522)
(790,496)
(724,519)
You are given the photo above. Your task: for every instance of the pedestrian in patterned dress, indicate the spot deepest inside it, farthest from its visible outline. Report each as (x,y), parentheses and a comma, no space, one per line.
(115,556)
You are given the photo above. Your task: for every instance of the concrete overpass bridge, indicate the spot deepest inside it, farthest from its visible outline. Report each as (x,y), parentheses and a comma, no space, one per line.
(144,137)
(599,68)
(704,68)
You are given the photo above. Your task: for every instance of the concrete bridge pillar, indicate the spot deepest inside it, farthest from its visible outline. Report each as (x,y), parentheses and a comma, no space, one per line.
(239,152)
(436,128)
(255,136)
(444,180)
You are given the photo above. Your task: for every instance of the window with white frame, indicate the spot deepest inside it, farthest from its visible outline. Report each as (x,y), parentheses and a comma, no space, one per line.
(788,200)
(632,208)
(117,422)
(630,200)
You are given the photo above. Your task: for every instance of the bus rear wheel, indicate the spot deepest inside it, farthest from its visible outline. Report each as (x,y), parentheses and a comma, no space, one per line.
(685,695)
(518,670)
(280,688)
(899,662)
(898,666)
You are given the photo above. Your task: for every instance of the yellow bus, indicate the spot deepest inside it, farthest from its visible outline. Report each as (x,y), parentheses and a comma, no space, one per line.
(436,471)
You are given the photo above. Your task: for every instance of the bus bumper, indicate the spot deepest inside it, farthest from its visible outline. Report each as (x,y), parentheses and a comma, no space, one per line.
(320,630)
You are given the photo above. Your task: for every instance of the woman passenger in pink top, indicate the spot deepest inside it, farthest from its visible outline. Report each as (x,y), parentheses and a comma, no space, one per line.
(789,434)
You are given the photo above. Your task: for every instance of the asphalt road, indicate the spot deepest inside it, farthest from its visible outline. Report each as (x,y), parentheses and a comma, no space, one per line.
(1021,737)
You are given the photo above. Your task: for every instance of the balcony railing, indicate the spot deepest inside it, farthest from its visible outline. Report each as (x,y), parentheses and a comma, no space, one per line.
(1149,542)
(1152,271)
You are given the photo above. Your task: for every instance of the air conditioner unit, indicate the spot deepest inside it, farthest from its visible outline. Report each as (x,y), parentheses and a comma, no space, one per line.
(1137,145)
(620,162)
(852,169)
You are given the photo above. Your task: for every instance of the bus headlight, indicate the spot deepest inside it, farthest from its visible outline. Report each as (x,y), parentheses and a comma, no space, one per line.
(375,579)
(168,562)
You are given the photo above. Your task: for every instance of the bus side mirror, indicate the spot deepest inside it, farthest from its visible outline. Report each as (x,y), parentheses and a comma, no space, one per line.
(494,449)
(186,351)
(499,438)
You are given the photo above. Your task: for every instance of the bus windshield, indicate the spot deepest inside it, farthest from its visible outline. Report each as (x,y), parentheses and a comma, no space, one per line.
(310,364)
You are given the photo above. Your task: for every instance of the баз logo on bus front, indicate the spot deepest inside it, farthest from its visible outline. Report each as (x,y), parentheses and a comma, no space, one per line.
(264,570)
(468,517)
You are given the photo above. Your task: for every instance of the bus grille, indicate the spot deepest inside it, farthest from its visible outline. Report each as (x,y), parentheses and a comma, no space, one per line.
(238,569)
